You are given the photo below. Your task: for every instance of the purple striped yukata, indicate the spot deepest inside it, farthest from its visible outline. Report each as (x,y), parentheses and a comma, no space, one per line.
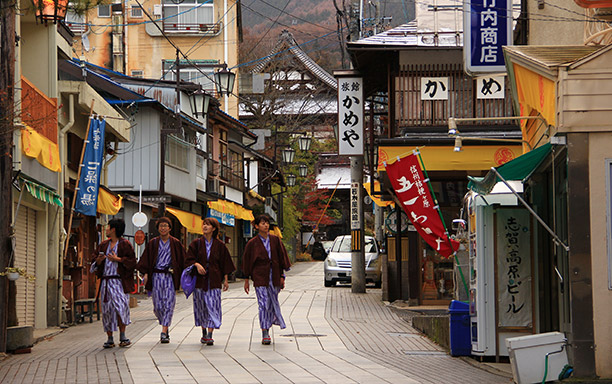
(207,304)
(267,299)
(163,294)
(115,302)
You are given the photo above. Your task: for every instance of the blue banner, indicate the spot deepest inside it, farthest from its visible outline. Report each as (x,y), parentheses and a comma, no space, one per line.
(89,182)
(224,218)
(487,28)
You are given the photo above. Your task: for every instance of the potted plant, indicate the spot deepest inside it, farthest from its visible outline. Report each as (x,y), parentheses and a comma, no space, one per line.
(13,273)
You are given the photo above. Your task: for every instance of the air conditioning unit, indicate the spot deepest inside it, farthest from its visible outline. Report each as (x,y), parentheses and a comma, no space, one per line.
(213,186)
(157,10)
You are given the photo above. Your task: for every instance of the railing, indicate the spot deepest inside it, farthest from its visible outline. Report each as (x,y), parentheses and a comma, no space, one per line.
(38,111)
(207,29)
(234,179)
(213,167)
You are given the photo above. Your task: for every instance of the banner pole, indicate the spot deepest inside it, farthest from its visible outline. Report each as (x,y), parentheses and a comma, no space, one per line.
(324,210)
(76,188)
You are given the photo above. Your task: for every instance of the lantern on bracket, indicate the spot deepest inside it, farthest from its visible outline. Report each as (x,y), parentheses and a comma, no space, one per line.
(50,10)
(302,170)
(288,155)
(304,142)
(199,101)
(224,81)
(291,180)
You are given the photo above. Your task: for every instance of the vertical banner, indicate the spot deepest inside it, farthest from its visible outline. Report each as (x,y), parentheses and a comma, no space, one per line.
(89,182)
(487,27)
(355,206)
(350,116)
(412,191)
(514,267)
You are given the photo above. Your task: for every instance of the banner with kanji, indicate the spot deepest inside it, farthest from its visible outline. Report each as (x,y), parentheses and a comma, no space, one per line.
(412,190)
(89,181)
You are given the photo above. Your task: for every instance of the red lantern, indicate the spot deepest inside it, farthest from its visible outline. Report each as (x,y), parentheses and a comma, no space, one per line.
(594,3)
(50,10)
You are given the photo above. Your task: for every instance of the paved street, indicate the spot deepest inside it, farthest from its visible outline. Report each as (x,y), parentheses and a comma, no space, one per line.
(332,336)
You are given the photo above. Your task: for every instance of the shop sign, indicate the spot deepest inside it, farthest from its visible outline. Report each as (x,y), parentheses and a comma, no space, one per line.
(514,273)
(434,88)
(224,218)
(350,116)
(355,206)
(490,87)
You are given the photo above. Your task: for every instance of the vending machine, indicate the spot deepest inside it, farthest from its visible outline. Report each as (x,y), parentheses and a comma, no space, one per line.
(499,241)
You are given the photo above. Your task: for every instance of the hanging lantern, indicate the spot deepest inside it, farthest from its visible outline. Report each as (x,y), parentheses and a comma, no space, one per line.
(304,142)
(303,170)
(50,10)
(288,155)
(291,180)
(224,81)
(199,101)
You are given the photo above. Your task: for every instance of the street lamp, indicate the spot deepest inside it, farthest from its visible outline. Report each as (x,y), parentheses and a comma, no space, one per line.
(288,155)
(302,170)
(304,142)
(50,10)
(199,101)
(291,180)
(224,81)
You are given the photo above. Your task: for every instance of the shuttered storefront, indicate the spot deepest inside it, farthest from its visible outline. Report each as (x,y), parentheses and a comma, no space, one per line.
(25,257)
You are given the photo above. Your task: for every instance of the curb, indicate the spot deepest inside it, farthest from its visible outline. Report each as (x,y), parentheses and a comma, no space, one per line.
(485,367)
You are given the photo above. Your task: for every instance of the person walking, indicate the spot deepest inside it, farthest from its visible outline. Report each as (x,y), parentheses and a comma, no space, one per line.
(210,261)
(114,264)
(161,264)
(264,261)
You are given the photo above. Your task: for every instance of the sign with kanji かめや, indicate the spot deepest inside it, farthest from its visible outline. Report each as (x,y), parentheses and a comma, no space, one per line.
(487,27)
(411,188)
(350,116)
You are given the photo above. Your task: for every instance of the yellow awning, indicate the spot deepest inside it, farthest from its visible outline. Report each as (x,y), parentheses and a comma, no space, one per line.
(193,223)
(108,202)
(40,148)
(377,200)
(535,92)
(276,232)
(471,157)
(233,209)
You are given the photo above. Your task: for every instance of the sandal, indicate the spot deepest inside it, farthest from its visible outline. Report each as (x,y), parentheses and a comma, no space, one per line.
(125,343)
(109,344)
(210,341)
(204,340)
(266,341)
(164,338)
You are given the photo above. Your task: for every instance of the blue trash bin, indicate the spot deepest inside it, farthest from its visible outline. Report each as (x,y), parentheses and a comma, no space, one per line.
(460,343)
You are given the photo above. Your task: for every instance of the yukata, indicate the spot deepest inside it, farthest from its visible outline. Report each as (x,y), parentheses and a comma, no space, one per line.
(264,261)
(113,294)
(163,262)
(215,258)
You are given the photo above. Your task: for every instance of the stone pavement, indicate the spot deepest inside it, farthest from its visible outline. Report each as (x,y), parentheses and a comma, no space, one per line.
(332,336)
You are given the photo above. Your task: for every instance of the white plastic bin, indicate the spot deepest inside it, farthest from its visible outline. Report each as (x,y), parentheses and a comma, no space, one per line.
(528,356)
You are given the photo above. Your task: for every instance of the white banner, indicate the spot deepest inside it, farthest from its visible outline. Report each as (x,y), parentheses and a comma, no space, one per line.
(350,116)
(514,273)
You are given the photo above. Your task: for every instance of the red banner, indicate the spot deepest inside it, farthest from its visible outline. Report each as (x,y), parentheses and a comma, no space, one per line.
(412,191)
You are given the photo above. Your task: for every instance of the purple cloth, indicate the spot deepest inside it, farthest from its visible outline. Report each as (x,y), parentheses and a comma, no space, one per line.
(163,294)
(269,307)
(188,281)
(207,307)
(115,302)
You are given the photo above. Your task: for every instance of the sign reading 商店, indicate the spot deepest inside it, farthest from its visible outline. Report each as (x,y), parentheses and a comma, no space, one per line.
(350,116)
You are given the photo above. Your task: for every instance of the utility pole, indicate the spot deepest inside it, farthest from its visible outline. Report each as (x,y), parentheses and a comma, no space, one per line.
(7,107)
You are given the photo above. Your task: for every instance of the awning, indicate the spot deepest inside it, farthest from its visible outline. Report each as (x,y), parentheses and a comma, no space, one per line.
(519,169)
(535,92)
(40,148)
(233,209)
(256,195)
(191,222)
(376,199)
(108,202)
(444,158)
(43,193)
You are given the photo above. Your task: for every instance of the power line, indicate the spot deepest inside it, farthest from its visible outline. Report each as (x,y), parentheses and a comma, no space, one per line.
(295,17)
(269,29)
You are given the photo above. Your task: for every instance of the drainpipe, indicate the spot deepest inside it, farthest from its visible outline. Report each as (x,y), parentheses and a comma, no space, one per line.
(225,51)
(62,176)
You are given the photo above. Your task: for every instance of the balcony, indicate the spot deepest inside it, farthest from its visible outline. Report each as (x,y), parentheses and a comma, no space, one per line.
(38,111)
(196,28)
(234,179)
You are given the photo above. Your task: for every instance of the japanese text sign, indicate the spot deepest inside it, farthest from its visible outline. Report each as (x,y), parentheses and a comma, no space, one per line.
(434,88)
(490,87)
(89,181)
(350,116)
(514,267)
(355,206)
(487,27)
(412,191)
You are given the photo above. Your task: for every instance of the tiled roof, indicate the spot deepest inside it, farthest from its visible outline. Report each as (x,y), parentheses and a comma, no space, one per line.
(408,35)
(550,55)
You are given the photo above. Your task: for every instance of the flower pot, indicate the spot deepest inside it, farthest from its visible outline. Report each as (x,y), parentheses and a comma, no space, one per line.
(12,275)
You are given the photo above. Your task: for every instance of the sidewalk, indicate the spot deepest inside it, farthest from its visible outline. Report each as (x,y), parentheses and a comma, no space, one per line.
(332,336)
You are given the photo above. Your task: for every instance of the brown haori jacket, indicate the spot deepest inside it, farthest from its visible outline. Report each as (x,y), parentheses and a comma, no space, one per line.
(219,263)
(126,266)
(146,264)
(256,264)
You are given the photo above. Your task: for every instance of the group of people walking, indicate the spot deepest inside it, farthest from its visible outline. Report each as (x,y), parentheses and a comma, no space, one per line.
(206,263)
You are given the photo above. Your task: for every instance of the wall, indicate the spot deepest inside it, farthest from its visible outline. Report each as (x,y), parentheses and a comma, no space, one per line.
(599,151)
(545,31)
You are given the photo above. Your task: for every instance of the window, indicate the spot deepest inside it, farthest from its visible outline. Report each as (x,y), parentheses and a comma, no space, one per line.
(136,11)
(201,75)
(137,73)
(609,218)
(104,10)
(188,16)
(177,152)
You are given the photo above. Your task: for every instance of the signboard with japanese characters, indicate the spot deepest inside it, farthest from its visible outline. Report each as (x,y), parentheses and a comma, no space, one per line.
(514,274)
(89,180)
(350,116)
(355,206)
(490,87)
(487,26)
(413,192)
(434,88)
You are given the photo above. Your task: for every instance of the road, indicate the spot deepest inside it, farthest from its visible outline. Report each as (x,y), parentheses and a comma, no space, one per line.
(332,336)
